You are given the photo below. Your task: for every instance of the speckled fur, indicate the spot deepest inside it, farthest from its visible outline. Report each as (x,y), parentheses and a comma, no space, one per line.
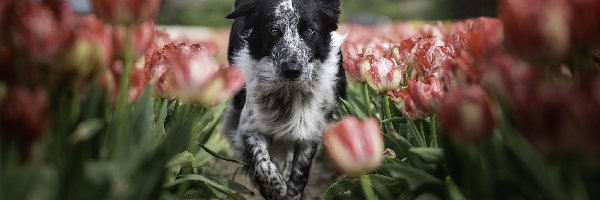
(275,118)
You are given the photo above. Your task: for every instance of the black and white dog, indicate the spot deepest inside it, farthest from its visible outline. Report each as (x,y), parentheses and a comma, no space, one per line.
(290,55)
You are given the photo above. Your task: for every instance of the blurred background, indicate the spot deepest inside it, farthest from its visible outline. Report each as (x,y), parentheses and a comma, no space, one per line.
(211,13)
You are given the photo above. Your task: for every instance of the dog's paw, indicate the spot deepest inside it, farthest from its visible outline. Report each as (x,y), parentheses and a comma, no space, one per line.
(270,181)
(276,189)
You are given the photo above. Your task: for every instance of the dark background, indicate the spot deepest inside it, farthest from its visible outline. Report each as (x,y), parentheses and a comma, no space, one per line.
(212,12)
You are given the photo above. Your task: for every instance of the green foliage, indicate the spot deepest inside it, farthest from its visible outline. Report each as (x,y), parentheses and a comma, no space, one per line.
(88,155)
(422,162)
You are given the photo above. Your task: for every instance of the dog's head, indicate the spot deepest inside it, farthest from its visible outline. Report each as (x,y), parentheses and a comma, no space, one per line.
(288,39)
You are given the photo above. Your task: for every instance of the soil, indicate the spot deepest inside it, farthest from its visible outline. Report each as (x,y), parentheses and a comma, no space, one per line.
(322,175)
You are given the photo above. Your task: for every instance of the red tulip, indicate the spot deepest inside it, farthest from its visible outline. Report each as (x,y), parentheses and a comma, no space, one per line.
(536,29)
(467,114)
(126,11)
(24,113)
(585,22)
(36,30)
(354,147)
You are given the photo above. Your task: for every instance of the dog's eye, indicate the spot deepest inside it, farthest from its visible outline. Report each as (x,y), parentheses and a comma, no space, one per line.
(309,31)
(275,31)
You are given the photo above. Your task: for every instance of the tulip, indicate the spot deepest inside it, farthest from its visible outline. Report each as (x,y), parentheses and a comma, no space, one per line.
(536,29)
(352,67)
(189,73)
(382,74)
(406,104)
(193,76)
(143,36)
(110,80)
(426,94)
(585,22)
(467,114)
(91,49)
(24,113)
(354,147)
(125,11)
(34,29)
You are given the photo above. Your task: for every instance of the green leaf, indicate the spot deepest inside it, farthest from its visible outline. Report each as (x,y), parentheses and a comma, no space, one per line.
(211,183)
(216,155)
(348,189)
(415,178)
(395,145)
(86,130)
(349,107)
(385,186)
(427,154)
(395,119)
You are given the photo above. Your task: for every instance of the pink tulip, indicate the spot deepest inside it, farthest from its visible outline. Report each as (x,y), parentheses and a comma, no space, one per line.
(189,73)
(354,147)
(125,11)
(406,104)
(426,93)
(352,67)
(382,74)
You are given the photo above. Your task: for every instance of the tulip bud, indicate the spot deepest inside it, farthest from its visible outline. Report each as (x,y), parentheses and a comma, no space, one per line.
(382,74)
(354,147)
(125,11)
(91,49)
(467,114)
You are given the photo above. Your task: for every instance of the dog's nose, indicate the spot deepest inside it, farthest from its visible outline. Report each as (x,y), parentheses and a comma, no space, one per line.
(291,73)
(291,70)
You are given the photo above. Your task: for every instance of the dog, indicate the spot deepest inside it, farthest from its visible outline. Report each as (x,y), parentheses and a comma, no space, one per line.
(290,54)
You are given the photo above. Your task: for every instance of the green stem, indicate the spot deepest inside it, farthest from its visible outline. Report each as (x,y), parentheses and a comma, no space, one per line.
(433,128)
(367,187)
(367,99)
(119,121)
(388,113)
(416,134)
(382,113)
(422,133)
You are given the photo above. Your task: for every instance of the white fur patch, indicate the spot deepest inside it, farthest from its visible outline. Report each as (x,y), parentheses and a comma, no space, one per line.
(284,6)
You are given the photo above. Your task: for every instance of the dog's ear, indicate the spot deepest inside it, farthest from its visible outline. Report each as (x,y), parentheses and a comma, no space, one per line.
(242,10)
(331,10)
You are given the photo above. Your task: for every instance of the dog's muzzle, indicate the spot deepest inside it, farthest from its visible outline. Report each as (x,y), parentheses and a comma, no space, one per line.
(291,70)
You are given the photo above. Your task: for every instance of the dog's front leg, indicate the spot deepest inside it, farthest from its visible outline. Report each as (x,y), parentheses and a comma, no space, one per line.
(301,164)
(262,171)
